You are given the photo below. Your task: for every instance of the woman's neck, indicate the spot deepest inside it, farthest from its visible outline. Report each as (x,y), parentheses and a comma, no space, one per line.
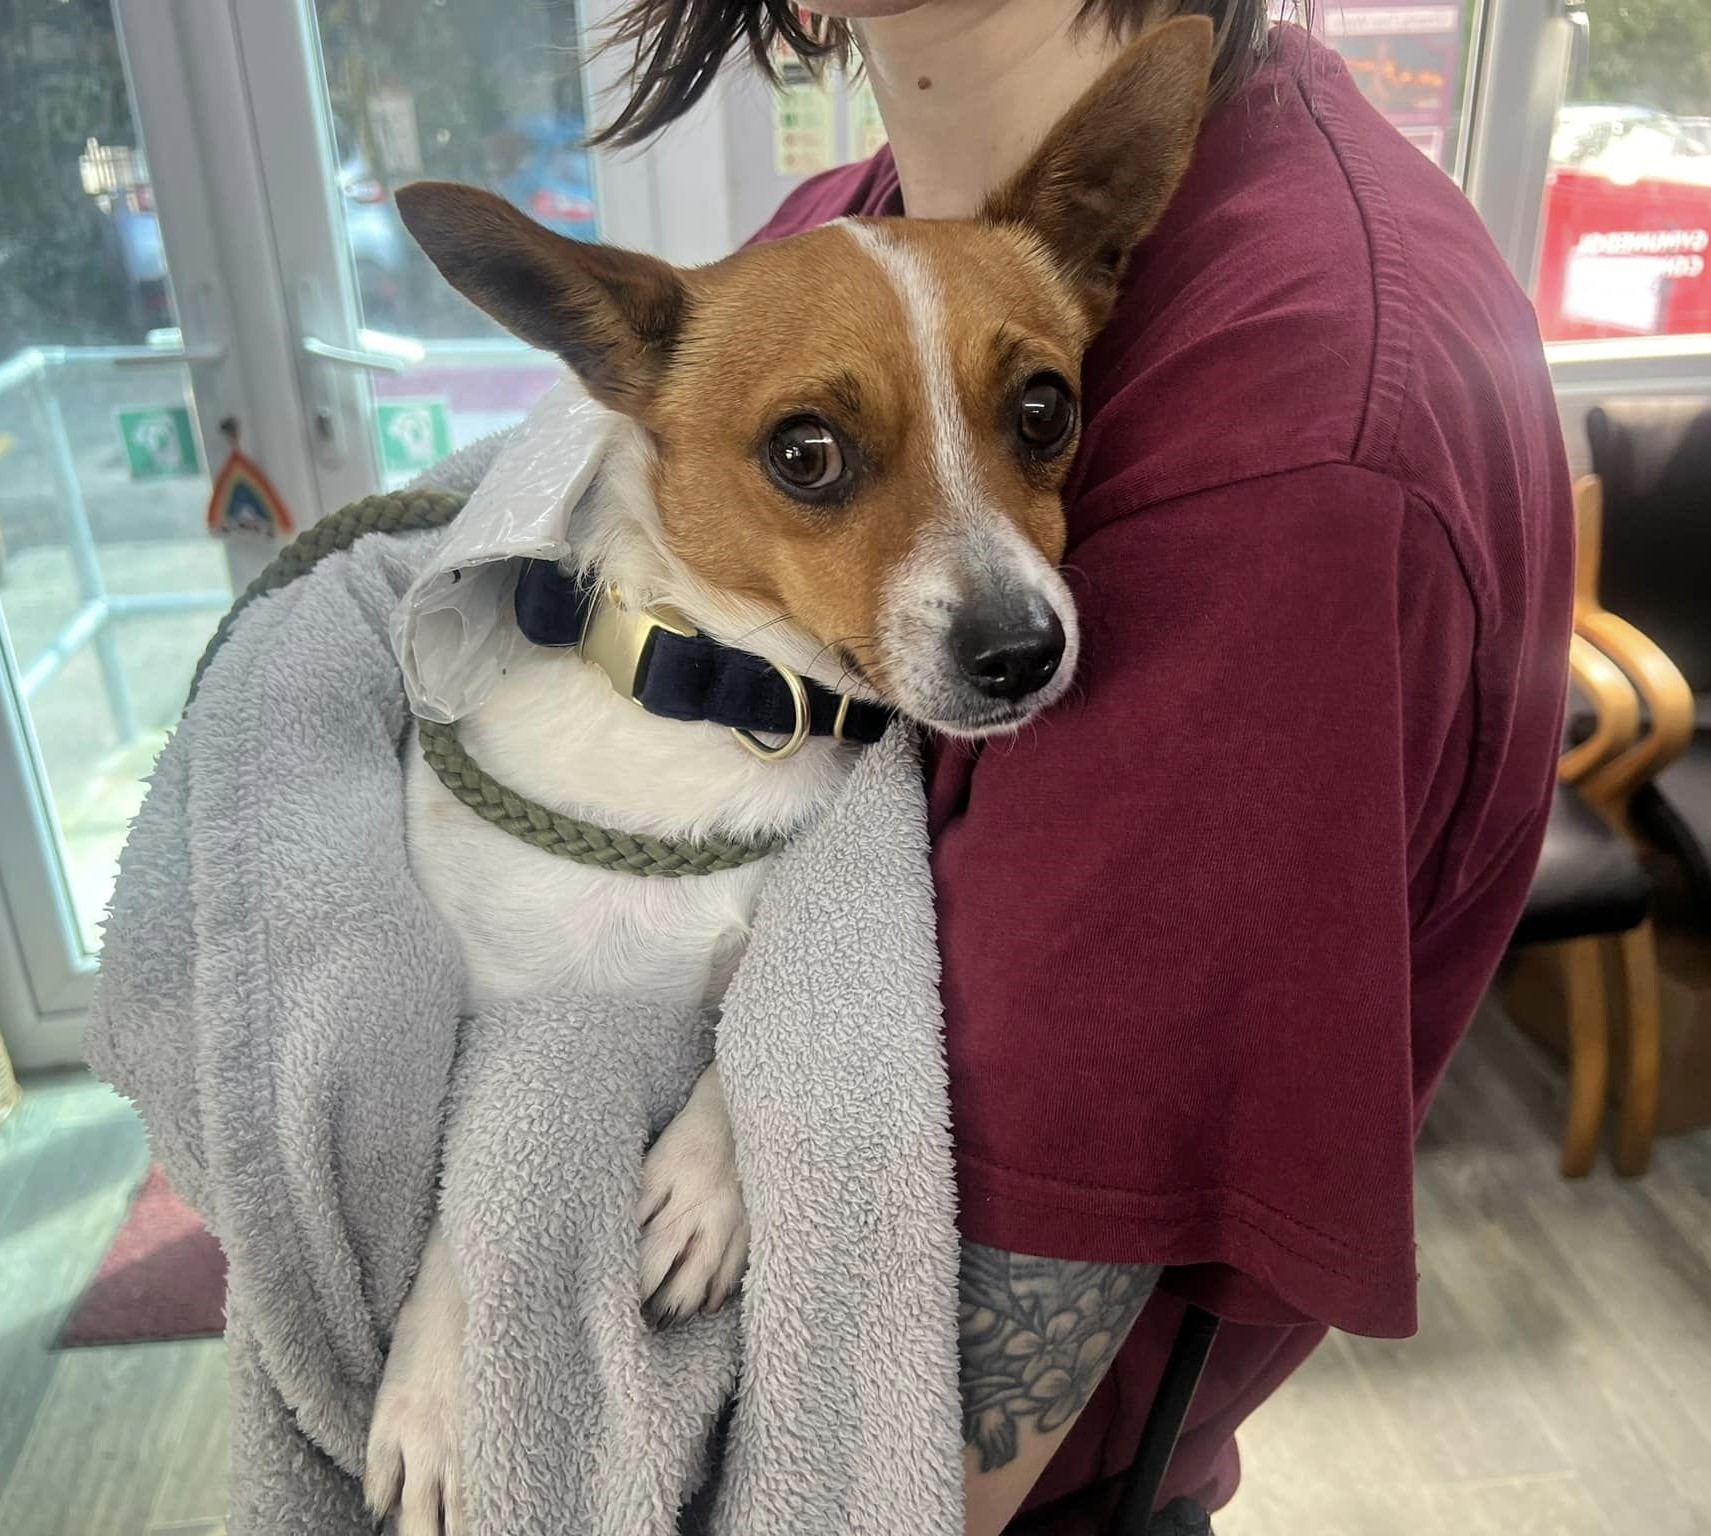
(969,88)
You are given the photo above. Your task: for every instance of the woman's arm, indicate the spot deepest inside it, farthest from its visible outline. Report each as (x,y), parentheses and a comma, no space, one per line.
(1037,1336)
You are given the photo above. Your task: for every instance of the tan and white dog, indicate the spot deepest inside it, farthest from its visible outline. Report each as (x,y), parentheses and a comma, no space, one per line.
(844,453)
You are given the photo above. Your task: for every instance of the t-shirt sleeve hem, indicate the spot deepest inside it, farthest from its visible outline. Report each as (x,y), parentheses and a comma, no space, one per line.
(1231,1253)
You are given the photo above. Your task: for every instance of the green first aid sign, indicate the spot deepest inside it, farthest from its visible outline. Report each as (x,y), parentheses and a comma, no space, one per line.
(414,437)
(159,442)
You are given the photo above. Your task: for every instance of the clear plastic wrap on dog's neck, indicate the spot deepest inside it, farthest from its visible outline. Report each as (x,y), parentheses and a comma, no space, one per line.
(452,632)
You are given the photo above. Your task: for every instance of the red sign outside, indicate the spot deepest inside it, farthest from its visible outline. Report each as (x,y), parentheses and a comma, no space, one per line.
(1624,259)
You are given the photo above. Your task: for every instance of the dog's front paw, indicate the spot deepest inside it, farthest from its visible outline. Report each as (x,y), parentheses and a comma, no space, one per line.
(694,1226)
(412,1469)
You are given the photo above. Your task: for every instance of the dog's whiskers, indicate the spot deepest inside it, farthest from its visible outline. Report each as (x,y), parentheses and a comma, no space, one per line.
(844,648)
(761,629)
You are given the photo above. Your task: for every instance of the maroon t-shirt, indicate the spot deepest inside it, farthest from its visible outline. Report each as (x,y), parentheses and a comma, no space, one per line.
(1212,930)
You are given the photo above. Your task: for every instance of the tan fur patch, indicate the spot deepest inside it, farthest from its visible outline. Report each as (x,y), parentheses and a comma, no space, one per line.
(814,326)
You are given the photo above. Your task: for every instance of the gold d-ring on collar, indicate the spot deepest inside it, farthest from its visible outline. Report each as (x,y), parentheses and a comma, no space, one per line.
(798,698)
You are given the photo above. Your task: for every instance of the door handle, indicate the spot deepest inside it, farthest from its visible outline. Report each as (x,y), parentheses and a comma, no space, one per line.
(375,352)
(378,353)
(166,345)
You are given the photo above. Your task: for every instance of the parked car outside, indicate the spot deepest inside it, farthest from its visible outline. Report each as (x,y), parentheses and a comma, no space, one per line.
(1627,144)
(553,182)
(379,245)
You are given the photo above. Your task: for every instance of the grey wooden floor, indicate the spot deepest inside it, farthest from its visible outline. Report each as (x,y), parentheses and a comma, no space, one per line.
(1560,1385)
(93,1442)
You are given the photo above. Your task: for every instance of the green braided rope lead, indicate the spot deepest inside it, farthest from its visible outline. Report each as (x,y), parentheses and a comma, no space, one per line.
(392,512)
(564,836)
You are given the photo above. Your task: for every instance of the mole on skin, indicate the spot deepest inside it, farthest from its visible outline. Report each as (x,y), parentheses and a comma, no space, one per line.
(924,84)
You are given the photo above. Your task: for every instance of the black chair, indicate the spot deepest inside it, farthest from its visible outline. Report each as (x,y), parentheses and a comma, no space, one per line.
(1591,899)
(1591,896)
(1653,460)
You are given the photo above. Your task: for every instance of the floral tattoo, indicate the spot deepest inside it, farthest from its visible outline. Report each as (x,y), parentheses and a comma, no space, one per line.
(1037,1335)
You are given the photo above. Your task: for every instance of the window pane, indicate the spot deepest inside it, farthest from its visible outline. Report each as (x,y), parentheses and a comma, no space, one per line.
(1410,61)
(1627,242)
(109,582)
(489,94)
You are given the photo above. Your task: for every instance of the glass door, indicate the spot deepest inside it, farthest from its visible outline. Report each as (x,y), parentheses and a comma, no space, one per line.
(360,97)
(197,225)
(108,585)
(492,95)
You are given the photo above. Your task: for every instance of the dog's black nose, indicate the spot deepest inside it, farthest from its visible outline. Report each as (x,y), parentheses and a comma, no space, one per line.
(1011,650)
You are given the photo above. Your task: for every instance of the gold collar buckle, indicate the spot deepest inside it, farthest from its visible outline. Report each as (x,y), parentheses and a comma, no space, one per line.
(616,638)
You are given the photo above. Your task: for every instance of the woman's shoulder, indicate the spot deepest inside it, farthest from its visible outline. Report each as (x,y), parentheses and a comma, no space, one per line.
(1318,293)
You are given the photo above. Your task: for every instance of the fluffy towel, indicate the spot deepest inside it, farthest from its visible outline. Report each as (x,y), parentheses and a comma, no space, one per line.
(282,1003)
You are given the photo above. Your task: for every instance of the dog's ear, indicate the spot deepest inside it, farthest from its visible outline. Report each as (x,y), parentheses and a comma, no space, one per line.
(1108,170)
(613,315)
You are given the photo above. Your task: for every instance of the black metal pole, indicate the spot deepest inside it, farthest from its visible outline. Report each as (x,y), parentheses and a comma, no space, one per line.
(1164,1422)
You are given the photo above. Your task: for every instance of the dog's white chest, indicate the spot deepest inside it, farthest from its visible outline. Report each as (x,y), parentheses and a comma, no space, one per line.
(532,924)
(535,925)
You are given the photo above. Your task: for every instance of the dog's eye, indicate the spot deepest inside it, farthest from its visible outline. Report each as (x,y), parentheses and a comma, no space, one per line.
(1045,416)
(804,456)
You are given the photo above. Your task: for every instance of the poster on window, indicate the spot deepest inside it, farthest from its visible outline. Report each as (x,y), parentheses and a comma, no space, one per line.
(1407,61)
(804,114)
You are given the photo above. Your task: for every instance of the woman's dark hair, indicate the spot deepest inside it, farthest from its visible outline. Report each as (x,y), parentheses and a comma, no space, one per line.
(681,44)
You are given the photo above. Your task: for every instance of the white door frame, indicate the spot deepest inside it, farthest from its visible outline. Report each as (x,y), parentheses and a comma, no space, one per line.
(42,1001)
(191,98)
(1518,69)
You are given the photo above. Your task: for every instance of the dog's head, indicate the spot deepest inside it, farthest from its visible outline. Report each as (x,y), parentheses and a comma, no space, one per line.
(867,428)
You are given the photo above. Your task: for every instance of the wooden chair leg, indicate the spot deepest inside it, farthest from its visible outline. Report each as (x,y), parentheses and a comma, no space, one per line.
(1636,970)
(9,1091)
(1588,1018)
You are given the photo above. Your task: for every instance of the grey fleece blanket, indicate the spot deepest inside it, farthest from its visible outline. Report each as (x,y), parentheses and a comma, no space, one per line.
(283,1005)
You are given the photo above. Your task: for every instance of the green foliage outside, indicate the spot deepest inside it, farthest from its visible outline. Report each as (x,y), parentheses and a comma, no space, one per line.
(1651,53)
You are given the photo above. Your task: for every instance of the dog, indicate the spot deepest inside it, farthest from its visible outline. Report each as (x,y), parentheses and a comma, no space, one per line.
(840,467)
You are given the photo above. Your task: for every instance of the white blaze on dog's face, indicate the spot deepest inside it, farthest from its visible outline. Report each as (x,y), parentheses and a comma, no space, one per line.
(868,427)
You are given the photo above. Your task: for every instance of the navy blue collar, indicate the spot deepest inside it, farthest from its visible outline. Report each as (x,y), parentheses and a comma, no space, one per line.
(673,671)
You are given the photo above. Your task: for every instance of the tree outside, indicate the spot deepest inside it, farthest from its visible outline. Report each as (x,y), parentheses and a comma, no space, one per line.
(1651,53)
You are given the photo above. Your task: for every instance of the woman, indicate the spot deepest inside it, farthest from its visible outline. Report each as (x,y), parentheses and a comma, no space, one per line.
(1212,931)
